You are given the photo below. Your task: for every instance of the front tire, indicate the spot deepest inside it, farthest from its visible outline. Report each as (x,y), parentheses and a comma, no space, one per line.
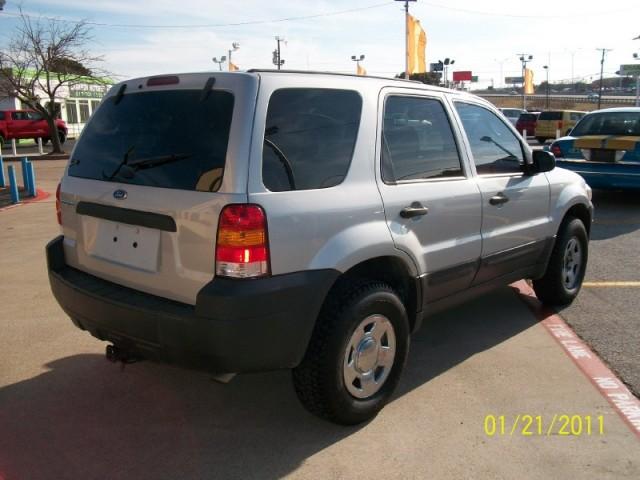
(541,140)
(356,354)
(567,265)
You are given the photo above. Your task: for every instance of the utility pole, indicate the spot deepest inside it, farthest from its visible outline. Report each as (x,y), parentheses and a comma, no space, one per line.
(277,60)
(546,67)
(406,36)
(524,59)
(604,52)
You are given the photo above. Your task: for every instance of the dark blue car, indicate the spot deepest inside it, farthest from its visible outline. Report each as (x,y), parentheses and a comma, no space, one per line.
(604,147)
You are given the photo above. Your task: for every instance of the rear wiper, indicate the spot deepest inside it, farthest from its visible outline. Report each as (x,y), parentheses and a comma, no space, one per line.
(150,162)
(125,158)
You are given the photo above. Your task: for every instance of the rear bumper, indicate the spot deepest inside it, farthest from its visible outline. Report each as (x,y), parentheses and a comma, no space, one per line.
(235,326)
(621,176)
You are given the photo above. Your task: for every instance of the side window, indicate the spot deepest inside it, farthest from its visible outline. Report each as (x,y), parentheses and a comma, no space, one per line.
(495,148)
(417,141)
(34,116)
(309,138)
(1,115)
(18,116)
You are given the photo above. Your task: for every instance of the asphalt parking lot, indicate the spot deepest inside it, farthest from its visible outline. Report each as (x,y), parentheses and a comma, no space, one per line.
(65,412)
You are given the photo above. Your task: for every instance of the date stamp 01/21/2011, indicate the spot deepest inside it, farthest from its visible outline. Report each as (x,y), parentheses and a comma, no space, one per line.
(539,425)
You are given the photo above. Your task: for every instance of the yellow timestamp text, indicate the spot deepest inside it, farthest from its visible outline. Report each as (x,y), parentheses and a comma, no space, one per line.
(539,425)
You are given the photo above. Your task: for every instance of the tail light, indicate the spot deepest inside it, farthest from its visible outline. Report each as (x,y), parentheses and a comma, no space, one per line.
(555,149)
(242,250)
(58,206)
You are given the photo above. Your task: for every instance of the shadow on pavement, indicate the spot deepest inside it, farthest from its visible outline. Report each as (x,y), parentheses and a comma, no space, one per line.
(85,419)
(616,213)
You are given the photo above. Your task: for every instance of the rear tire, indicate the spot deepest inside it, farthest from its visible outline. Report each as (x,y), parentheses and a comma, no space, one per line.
(356,354)
(567,265)
(62,137)
(541,140)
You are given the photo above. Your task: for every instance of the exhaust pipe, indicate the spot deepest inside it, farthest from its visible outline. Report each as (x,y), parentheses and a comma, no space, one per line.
(116,354)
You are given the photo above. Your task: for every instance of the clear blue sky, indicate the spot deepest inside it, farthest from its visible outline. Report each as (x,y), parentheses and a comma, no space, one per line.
(481,36)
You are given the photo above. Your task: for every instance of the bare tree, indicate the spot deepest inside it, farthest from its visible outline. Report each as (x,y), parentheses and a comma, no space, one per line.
(44,56)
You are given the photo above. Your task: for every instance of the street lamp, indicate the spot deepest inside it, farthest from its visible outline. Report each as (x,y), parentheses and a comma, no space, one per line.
(524,59)
(447,61)
(219,62)
(234,46)
(546,67)
(357,60)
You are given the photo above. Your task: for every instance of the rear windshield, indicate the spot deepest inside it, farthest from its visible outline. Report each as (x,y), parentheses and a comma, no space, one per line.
(550,116)
(528,117)
(170,139)
(511,112)
(611,123)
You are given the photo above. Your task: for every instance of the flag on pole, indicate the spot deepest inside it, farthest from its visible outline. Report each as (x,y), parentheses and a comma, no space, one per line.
(233,67)
(360,70)
(416,46)
(528,82)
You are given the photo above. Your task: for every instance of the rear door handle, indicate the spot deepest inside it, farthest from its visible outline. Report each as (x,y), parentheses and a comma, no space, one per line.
(415,210)
(498,199)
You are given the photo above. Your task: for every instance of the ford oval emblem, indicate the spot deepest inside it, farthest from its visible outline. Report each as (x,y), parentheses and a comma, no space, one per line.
(120,194)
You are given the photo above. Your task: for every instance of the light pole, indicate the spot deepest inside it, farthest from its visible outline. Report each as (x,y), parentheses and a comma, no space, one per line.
(501,63)
(447,61)
(219,62)
(546,68)
(604,52)
(277,60)
(524,59)
(234,46)
(357,60)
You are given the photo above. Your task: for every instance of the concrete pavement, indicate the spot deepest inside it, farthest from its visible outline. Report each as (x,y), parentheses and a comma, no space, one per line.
(65,412)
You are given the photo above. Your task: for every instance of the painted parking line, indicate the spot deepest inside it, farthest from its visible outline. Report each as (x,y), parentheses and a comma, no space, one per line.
(603,379)
(610,284)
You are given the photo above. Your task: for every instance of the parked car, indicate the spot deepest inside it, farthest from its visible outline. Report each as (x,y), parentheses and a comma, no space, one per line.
(302,221)
(593,96)
(552,121)
(21,124)
(527,123)
(512,114)
(604,147)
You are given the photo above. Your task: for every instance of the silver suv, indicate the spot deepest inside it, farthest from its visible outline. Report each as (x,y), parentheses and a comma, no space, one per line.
(240,222)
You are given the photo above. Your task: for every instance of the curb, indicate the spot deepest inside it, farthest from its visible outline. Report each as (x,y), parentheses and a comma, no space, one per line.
(626,405)
(41,195)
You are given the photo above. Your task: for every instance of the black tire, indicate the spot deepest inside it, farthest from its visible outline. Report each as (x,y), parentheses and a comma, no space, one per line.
(319,379)
(45,140)
(62,136)
(552,288)
(541,140)
(2,140)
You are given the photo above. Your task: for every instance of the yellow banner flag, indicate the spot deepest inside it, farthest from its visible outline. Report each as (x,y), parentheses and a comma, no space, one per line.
(360,70)
(528,81)
(233,67)
(416,46)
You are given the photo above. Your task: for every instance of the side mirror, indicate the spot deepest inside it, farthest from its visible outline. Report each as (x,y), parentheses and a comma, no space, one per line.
(542,162)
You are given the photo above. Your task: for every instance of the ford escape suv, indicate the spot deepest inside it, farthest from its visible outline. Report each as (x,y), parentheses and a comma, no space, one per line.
(239,222)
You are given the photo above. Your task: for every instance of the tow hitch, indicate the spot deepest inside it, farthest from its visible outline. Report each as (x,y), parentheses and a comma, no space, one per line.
(115,354)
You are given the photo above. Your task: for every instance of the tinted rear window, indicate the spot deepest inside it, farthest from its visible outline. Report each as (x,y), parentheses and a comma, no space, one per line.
(528,117)
(610,123)
(309,138)
(169,139)
(550,116)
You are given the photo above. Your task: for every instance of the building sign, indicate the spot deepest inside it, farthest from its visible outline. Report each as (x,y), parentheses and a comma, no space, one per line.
(462,76)
(88,91)
(630,69)
(513,80)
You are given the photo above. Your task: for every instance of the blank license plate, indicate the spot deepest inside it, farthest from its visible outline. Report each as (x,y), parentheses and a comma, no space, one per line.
(129,245)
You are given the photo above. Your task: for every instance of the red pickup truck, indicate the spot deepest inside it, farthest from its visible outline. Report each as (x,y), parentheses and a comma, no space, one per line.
(28,124)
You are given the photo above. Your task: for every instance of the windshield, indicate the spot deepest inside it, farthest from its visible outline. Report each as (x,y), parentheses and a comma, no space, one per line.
(609,123)
(169,139)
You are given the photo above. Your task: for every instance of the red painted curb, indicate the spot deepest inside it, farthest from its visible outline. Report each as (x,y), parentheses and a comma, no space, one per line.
(603,379)
(41,195)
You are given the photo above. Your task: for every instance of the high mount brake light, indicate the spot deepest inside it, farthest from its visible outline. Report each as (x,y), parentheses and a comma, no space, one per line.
(165,80)
(242,250)
(555,149)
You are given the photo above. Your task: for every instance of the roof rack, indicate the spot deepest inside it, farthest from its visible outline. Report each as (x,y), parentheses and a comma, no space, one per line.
(315,72)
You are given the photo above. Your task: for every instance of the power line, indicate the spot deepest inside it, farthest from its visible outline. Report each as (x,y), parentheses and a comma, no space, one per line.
(511,15)
(212,25)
